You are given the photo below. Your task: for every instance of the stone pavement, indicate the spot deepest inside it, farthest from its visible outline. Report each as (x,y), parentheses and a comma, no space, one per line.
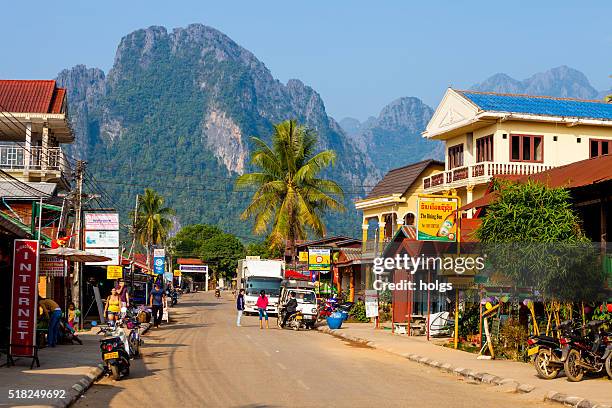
(512,376)
(69,369)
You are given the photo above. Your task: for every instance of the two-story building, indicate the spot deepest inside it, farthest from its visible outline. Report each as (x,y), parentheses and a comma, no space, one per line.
(488,134)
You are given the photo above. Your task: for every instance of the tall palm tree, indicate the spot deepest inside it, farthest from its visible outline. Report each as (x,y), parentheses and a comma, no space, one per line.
(290,196)
(153,220)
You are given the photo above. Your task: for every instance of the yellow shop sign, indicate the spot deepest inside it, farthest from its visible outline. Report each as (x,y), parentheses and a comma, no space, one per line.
(437,219)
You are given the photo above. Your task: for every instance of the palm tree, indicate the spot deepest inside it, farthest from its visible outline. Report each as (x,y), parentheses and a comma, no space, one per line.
(153,220)
(290,197)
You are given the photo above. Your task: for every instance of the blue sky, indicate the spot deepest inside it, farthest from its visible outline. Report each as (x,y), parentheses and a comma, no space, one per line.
(359,55)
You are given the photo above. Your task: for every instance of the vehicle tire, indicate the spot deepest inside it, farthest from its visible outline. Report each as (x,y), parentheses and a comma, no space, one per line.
(609,366)
(543,365)
(115,372)
(573,371)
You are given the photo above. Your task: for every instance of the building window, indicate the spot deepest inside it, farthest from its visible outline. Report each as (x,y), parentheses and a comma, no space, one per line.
(409,219)
(527,148)
(484,149)
(599,147)
(455,156)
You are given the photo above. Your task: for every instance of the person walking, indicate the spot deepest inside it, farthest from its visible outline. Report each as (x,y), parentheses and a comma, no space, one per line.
(53,313)
(112,308)
(262,306)
(156,301)
(240,306)
(122,291)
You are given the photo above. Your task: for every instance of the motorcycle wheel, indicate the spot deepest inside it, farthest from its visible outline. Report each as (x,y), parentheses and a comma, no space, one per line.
(543,365)
(573,371)
(115,372)
(609,366)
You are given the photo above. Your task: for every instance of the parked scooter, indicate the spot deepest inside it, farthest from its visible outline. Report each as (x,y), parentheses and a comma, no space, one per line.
(115,355)
(588,354)
(295,321)
(547,352)
(217,293)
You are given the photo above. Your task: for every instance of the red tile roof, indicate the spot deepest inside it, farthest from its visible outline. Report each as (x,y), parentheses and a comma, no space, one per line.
(31,96)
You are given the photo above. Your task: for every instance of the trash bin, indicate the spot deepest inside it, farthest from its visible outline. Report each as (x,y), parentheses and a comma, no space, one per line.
(334,322)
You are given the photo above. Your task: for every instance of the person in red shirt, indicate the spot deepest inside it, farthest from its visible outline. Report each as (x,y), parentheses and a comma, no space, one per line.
(262,305)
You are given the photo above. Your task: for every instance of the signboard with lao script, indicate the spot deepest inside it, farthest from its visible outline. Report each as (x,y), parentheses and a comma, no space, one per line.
(24,310)
(101,221)
(437,219)
(319,259)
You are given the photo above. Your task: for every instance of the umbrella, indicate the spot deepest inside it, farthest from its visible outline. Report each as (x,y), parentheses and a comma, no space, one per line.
(75,255)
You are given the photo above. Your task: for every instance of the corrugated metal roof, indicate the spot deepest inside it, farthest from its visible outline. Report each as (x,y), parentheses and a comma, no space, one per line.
(31,96)
(23,190)
(398,181)
(540,105)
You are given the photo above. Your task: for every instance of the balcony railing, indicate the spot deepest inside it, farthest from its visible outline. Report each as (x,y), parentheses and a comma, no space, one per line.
(479,173)
(50,159)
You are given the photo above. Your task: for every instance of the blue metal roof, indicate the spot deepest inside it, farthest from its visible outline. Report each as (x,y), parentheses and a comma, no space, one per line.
(539,105)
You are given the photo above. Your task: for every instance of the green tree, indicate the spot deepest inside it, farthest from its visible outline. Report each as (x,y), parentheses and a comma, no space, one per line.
(264,250)
(153,220)
(532,236)
(290,196)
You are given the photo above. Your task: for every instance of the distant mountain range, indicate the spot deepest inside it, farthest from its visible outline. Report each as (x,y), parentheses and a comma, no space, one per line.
(177,108)
(394,137)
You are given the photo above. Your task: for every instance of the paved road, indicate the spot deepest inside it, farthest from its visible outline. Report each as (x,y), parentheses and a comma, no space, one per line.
(204,360)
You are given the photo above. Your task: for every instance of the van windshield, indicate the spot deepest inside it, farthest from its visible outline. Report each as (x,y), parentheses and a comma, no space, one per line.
(270,285)
(306,297)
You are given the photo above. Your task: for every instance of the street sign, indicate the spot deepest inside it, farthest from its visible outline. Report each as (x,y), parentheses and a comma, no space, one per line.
(101,239)
(52,266)
(168,276)
(114,272)
(101,221)
(194,268)
(24,310)
(177,272)
(159,264)
(319,259)
(371,303)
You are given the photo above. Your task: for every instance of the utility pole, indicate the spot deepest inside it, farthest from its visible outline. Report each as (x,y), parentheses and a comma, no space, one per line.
(133,241)
(78,200)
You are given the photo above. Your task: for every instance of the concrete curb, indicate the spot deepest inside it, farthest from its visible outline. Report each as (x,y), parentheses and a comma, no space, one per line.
(509,385)
(95,373)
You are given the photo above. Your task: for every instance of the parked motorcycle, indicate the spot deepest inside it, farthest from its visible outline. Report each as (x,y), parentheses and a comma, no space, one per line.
(172,296)
(587,354)
(547,352)
(115,357)
(296,321)
(217,293)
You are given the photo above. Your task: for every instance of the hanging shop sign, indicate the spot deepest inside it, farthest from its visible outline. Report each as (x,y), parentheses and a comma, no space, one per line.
(101,239)
(52,266)
(437,218)
(371,303)
(177,273)
(101,221)
(24,310)
(319,259)
(114,272)
(303,256)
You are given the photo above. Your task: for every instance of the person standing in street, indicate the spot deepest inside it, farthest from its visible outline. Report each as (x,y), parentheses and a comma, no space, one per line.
(240,306)
(53,313)
(262,306)
(112,307)
(156,301)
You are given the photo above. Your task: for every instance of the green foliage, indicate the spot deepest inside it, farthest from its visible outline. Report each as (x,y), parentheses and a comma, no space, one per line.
(207,242)
(469,321)
(264,250)
(291,197)
(358,312)
(532,236)
(153,220)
